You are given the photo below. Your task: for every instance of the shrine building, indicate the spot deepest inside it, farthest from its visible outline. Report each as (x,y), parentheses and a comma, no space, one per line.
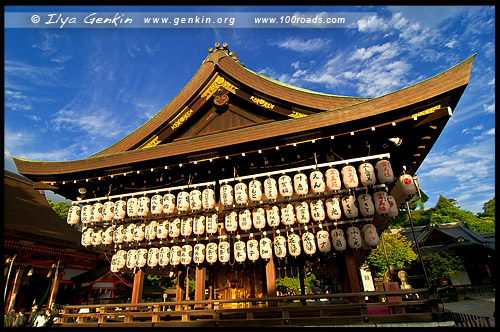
(242,179)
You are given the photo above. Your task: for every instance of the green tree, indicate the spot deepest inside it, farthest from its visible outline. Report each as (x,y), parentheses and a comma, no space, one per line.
(61,208)
(399,254)
(486,219)
(417,207)
(441,266)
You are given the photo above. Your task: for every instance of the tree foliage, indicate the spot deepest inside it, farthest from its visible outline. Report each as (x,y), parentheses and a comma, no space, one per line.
(61,208)
(441,266)
(399,254)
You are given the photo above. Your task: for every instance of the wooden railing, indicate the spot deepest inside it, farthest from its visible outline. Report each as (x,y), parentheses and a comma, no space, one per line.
(467,320)
(312,310)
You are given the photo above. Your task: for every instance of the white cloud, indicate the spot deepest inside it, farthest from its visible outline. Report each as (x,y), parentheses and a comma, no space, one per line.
(300,45)
(96,123)
(43,76)
(372,23)
(489,108)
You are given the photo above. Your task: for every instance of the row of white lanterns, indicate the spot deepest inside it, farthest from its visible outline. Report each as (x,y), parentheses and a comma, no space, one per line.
(197,200)
(252,249)
(243,220)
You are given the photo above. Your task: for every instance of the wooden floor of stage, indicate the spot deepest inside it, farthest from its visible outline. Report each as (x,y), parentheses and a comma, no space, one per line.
(363,308)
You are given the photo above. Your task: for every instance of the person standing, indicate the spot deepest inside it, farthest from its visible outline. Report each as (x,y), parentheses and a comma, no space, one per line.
(8,319)
(33,316)
(40,320)
(21,319)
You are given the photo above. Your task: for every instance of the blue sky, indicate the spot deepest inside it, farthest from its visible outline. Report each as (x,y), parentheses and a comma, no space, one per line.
(71,92)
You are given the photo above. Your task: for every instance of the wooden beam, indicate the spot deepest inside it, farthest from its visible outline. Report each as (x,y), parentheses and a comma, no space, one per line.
(199,291)
(271,280)
(16,283)
(138,286)
(352,272)
(54,287)
(179,288)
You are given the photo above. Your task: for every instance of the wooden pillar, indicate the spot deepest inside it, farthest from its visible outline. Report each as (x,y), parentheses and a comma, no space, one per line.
(179,288)
(138,286)
(302,284)
(352,281)
(199,291)
(54,287)
(11,299)
(271,280)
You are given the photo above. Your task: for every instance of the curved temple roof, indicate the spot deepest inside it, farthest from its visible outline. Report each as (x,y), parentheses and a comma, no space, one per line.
(290,112)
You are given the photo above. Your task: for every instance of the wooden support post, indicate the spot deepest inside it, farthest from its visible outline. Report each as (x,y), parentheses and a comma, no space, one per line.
(137,288)
(271,281)
(11,299)
(178,289)
(54,287)
(352,274)
(199,292)
(302,284)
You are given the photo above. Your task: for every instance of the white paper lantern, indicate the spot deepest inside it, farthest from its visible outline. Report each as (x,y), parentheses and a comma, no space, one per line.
(208,198)
(153,254)
(384,171)
(354,237)
(131,258)
(265,247)
(287,215)
(255,190)
(195,200)
(85,215)
(323,239)
(174,228)
(132,205)
(332,179)
(370,236)
(273,216)
(300,184)
(349,206)
(96,237)
(302,212)
(164,257)
(139,232)
(285,186)
(393,207)
(73,215)
(280,246)
(186,226)
(231,221)
(211,251)
(143,206)
(118,234)
(338,239)
(240,252)
(294,245)
(121,258)
(156,204)
(169,203)
(226,195)
(253,249)
(107,235)
(175,255)
(333,210)
(199,253)
(128,236)
(366,206)
(108,211)
(223,251)
(186,254)
(198,225)
(367,174)
(309,243)
(162,229)
(183,201)
(317,182)
(241,193)
(120,210)
(151,230)
(86,239)
(270,189)
(245,220)
(259,218)
(318,210)
(408,188)
(381,203)
(142,257)
(96,212)
(349,177)
(113,268)
(211,224)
